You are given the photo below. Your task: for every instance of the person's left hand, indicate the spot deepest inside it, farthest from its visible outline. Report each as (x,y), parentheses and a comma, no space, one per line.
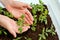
(19,8)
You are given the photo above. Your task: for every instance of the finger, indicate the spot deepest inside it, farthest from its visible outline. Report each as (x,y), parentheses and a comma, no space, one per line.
(17,4)
(17,7)
(28,6)
(15,12)
(31,22)
(29,15)
(12,32)
(25,28)
(16,29)
(20,5)
(26,21)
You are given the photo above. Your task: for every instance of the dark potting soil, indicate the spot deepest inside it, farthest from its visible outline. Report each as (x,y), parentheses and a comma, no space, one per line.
(32,34)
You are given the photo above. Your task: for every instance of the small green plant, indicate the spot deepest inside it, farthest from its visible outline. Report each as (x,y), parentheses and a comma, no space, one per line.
(43,16)
(51,30)
(20,22)
(42,36)
(3,31)
(33,28)
(27,38)
(18,38)
(45,32)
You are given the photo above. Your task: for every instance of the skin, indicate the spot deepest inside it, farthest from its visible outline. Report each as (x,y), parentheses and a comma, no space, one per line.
(16,9)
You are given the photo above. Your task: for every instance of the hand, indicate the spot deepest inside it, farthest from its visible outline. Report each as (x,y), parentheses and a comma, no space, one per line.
(11,25)
(16,9)
(19,8)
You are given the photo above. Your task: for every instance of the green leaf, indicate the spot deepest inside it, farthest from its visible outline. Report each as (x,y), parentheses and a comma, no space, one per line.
(53,33)
(46,30)
(40,1)
(0,32)
(18,38)
(20,29)
(33,11)
(40,38)
(43,36)
(49,30)
(29,39)
(33,28)
(46,34)
(5,32)
(22,16)
(43,31)
(40,35)
(46,12)
(34,24)
(45,21)
(20,22)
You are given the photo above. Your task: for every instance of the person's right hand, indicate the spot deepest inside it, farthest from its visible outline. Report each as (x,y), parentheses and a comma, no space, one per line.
(11,25)
(17,9)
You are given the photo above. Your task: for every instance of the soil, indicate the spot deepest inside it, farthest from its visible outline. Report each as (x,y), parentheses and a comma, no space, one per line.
(32,34)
